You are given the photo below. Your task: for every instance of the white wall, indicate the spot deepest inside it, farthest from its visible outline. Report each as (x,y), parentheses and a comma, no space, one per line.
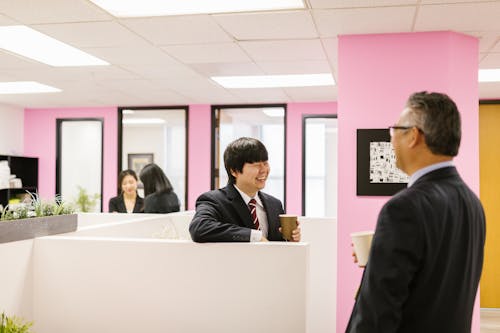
(16,278)
(11,130)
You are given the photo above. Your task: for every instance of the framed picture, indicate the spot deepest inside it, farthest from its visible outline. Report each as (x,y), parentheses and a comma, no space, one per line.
(137,161)
(377,174)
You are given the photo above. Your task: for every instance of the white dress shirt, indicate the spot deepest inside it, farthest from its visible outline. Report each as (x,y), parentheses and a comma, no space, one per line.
(256,235)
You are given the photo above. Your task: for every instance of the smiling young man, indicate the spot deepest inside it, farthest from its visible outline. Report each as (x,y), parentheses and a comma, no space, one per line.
(240,212)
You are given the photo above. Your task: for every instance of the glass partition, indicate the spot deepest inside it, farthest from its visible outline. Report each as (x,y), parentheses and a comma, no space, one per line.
(156,135)
(319,165)
(265,123)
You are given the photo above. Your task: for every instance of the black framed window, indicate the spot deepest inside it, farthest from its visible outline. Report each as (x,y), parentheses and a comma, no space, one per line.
(79,158)
(263,122)
(319,165)
(159,135)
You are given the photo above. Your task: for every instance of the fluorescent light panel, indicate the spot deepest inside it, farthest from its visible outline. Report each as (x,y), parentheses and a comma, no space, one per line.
(274,81)
(489,75)
(274,112)
(134,8)
(35,45)
(25,87)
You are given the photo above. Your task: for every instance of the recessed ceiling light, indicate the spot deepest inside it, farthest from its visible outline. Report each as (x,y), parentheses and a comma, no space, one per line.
(273,81)
(133,8)
(489,75)
(26,87)
(35,45)
(143,121)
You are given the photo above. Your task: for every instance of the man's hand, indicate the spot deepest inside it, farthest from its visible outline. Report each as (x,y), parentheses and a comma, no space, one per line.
(354,257)
(264,239)
(296,233)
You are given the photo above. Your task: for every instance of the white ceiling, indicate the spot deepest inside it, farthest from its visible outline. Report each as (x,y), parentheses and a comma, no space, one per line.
(168,60)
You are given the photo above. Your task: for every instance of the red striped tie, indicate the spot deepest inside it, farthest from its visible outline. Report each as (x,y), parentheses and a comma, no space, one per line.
(252,204)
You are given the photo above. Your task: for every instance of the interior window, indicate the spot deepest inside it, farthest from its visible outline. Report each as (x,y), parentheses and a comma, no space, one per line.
(156,135)
(265,123)
(319,181)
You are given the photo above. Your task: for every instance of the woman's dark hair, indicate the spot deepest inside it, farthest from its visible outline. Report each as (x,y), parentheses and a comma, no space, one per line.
(154,180)
(241,151)
(122,175)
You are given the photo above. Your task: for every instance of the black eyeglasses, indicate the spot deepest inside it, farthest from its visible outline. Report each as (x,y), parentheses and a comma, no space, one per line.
(392,128)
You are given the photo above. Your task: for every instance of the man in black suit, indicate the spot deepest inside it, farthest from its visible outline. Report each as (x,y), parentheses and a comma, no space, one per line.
(427,252)
(240,212)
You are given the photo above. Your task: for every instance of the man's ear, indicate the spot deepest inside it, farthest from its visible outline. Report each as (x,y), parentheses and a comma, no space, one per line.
(415,137)
(234,173)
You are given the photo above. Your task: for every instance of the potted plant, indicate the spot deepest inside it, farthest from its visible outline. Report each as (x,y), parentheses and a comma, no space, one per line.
(14,325)
(35,218)
(86,202)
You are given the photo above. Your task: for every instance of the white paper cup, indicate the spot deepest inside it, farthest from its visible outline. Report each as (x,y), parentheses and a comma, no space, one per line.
(362,242)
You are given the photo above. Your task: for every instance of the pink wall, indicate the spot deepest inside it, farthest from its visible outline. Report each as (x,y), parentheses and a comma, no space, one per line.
(40,141)
(199,152)
(295,111)
(372,92)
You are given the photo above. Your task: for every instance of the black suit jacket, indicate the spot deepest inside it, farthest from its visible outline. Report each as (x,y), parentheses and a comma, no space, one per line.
(117,204)
(161,202)
(223,216)
(425,261)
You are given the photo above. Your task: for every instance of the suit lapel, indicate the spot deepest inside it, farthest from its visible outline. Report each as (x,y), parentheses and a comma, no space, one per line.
(239,205)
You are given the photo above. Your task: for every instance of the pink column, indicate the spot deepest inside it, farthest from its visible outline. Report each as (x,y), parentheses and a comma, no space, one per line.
(376,75)
(199,152)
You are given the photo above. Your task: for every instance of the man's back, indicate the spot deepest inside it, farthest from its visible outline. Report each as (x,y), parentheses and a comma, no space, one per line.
(426,260)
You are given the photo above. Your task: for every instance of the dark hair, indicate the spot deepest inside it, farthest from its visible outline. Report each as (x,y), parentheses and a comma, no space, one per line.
(154,180)
(437,116)
(241,151)
(122,175)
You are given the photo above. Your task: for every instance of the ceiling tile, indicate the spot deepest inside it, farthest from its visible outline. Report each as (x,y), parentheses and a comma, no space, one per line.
(334,22)
(4,20)
(179,71)
(52,11)
(496,45)
(270,25)
(316,4)
(207,53)
(295,67)
(490,61)
(201,90)
(133,55)
(92,34)
(13,61)
(284,50)
(195,29)
(253,96)
(222,69)
(460,17)
(312,94)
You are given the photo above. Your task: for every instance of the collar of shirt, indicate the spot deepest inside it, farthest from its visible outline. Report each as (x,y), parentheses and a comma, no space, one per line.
(247,198)
(419,173)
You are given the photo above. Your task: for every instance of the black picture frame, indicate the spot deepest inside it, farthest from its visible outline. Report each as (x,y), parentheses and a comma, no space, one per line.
(137,161)
(364,187)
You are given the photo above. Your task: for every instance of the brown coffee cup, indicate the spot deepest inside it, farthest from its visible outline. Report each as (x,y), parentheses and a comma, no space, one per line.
(288,224)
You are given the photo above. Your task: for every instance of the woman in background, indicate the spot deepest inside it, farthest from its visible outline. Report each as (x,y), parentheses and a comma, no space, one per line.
(128,201)
(159,196)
